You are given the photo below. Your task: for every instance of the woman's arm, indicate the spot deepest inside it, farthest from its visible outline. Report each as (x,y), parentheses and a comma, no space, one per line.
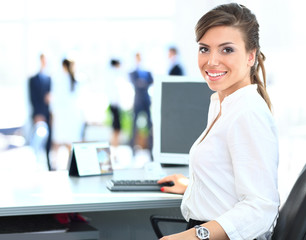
(253,146)
(216,232)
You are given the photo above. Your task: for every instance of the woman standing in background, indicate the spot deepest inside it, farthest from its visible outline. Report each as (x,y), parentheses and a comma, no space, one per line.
(66,106)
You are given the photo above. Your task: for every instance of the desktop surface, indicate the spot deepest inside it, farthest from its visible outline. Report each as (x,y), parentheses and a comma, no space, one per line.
(57,192)
(27,190)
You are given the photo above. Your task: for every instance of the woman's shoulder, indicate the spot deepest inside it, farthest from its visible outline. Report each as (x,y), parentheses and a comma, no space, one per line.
(249,100)
(254,102)
(249,105)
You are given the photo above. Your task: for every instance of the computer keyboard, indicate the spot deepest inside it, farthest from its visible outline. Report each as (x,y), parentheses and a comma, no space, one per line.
(135,185)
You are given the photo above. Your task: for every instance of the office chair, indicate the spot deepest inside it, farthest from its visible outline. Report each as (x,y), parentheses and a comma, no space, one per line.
(291,222)
(156,219)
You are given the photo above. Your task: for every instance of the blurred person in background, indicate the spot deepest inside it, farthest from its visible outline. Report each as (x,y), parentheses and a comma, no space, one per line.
(141,80)
(39,88)
(112,87)
(175,67)
(67,111)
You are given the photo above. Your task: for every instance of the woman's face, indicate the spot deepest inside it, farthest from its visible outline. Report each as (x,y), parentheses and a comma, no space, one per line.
(223,60)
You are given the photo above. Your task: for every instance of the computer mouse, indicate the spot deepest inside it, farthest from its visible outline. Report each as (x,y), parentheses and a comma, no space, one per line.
(167,184)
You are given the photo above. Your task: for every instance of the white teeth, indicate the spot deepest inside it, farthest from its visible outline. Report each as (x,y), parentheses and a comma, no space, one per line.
(215,74)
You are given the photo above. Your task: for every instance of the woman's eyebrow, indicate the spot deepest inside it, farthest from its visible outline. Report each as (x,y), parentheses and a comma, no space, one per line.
(220,45)
(203,44)
(226,43)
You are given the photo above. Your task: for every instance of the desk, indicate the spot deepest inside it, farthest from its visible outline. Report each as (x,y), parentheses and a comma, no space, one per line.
(56,192)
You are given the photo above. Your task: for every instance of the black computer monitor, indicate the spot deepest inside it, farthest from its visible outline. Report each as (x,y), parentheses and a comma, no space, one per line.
(180,109)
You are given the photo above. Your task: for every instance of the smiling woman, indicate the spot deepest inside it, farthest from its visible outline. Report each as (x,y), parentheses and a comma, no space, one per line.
(223,60)
(233,41)
(232,191)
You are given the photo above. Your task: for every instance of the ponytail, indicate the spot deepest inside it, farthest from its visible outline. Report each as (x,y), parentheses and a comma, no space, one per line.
(255,79)
(68,64)
(72,79)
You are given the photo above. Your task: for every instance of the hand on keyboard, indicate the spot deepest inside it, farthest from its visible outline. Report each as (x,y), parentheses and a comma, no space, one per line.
(136,185)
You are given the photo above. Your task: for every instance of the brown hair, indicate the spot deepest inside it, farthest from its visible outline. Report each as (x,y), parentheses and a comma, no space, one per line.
(240,17)
(68,64)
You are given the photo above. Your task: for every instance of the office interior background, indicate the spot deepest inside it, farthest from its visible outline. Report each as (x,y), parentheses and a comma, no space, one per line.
(93,31)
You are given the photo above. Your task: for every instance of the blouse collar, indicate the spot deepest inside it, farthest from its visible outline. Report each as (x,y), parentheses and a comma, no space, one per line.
(235,95)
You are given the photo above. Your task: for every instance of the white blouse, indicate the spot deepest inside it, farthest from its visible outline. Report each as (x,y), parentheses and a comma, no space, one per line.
(67,110)
(233,171)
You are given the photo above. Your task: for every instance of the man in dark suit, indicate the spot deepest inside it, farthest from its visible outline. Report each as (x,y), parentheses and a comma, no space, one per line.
(141,80)
(175,67)
(40,86)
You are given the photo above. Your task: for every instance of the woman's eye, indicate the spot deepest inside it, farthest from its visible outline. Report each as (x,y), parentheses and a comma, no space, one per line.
(228,50)
(203,49)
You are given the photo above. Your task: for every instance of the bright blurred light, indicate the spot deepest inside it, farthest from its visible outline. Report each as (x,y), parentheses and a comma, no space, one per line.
(41,131)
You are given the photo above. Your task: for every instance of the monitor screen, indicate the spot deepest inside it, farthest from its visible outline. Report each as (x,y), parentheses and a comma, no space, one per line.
(180,109)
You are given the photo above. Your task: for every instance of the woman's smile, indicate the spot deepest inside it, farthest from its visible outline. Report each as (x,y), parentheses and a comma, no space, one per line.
(214,75)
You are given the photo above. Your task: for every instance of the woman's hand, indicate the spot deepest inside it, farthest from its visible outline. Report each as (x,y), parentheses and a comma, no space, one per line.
(180,183)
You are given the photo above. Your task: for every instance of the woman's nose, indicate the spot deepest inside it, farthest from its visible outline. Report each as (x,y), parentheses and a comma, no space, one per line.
(213,59)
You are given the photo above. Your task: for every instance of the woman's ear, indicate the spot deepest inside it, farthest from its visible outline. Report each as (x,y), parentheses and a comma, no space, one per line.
(252,57)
